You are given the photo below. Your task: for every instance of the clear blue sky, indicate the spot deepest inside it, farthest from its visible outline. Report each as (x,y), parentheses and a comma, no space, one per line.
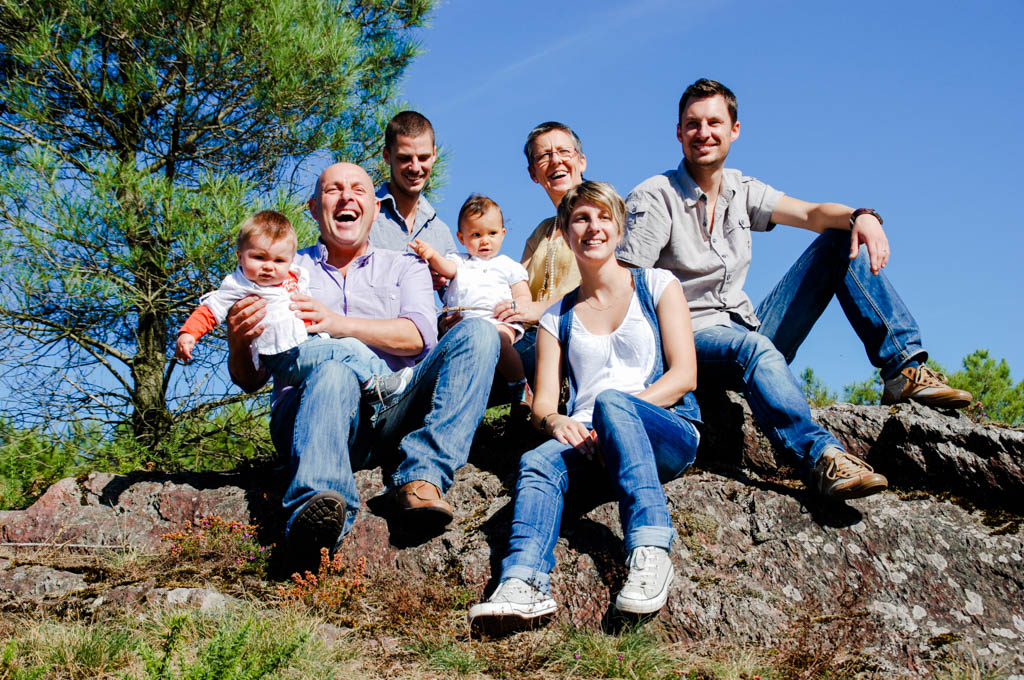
(911,108)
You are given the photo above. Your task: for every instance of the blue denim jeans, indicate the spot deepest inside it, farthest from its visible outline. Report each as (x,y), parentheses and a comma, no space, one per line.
(757,362)
(642,445)
(878,316)
(526,348)
(292,366)
(327,432)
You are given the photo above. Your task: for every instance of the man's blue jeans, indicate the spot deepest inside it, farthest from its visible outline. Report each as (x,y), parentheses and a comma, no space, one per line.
(327,432)
(293,366)
(759,360)
(643,445)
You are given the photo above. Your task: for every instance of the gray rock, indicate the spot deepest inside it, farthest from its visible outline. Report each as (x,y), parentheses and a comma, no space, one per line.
(204,599)
(36,582)
(758,560)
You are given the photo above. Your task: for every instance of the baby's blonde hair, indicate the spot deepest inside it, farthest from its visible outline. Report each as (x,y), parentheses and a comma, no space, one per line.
(269,223)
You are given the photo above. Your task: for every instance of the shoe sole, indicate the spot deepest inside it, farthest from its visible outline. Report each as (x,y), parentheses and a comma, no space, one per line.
(428,518)
(501,623)
(933,402)
(862,491)
(648,606)
(318,525)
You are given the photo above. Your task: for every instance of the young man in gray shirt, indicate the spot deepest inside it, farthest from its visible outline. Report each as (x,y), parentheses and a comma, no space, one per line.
(405,214)
(696,221)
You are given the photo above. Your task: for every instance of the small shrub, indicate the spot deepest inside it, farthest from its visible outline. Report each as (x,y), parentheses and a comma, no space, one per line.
(12,665)
(220,543)
(336,584)
(236,652)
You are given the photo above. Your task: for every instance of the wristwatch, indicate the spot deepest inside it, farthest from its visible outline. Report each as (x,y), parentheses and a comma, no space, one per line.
(864,211)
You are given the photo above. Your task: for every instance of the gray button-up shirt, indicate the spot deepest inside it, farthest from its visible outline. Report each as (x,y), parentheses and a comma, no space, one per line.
(388,230)
(667,227)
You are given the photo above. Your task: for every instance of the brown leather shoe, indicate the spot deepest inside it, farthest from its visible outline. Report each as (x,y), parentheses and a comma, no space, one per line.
(423,500)
(839,474)
(925,386)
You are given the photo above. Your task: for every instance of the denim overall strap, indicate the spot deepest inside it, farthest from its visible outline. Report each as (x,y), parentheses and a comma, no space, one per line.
(687,406)
(565,315)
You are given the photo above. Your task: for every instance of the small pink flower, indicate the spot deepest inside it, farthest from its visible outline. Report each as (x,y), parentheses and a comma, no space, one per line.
(576,655)
(620,657)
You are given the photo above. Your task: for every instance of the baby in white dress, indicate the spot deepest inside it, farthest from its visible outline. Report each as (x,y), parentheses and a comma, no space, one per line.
(480,278)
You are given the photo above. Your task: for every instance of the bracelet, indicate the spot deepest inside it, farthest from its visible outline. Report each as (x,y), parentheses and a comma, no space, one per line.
(544,421)
(864,211)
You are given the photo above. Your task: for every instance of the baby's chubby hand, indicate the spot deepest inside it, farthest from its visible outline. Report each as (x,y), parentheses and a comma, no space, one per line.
(183,350)
(423,249)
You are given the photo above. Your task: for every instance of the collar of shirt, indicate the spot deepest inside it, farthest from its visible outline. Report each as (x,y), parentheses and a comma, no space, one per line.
(691,191)
(424,211)
(319,253)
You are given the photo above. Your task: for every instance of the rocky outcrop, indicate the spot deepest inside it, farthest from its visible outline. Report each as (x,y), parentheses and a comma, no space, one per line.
(758,560)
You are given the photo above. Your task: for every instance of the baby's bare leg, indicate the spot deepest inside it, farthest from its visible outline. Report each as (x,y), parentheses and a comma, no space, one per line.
(509,364)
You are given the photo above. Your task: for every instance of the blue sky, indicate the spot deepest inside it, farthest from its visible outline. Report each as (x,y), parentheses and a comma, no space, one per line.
(911,108)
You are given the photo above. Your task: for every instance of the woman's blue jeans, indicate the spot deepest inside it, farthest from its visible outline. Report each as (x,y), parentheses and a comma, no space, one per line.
(327,432)
(642,446)
(757,361)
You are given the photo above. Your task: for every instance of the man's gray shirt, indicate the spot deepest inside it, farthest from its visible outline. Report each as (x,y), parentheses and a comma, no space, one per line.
(389,231)
(667,227)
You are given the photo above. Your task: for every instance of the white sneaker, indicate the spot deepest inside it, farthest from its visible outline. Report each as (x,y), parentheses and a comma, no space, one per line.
(515,600)
(646,589)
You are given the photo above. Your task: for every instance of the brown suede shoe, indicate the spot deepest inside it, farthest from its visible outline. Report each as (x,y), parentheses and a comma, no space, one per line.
(423,500)
(839,474)
(925,386)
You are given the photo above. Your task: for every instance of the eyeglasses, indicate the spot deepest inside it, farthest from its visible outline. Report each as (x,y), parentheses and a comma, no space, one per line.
(548,156)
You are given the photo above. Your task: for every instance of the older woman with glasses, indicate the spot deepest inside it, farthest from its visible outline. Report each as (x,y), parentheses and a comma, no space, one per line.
(555,161)
(623,340)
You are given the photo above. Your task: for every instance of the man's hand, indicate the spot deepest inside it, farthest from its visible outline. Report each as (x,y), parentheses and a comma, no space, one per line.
(445,322)
(867,230)
(438,280)
(183,349)
(321,319)
(245,324)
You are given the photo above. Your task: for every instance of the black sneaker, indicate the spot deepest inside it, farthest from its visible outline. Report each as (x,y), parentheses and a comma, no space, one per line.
(318,525)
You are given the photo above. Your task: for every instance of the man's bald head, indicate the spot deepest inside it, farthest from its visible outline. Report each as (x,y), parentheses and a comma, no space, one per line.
(344,204)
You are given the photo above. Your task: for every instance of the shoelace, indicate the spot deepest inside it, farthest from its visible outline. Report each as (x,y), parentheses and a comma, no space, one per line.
(929,378)
(846,466)
(643,570)
(517,590)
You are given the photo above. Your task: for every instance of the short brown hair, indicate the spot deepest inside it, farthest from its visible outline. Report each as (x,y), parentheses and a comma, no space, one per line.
(704,88)
(269,223)
(598,193)
(476,205)
(544,128)
(407,124)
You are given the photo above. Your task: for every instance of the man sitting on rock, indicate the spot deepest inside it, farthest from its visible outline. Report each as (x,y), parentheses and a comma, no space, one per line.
(696,221)
(383,298)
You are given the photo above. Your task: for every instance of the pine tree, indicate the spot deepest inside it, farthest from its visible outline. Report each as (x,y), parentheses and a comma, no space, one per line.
(135,136)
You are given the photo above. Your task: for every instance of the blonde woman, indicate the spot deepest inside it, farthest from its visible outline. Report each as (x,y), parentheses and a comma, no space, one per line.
(624,341)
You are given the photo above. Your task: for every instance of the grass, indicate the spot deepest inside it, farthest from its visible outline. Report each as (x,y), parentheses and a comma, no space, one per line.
(257,640)
(634,653)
